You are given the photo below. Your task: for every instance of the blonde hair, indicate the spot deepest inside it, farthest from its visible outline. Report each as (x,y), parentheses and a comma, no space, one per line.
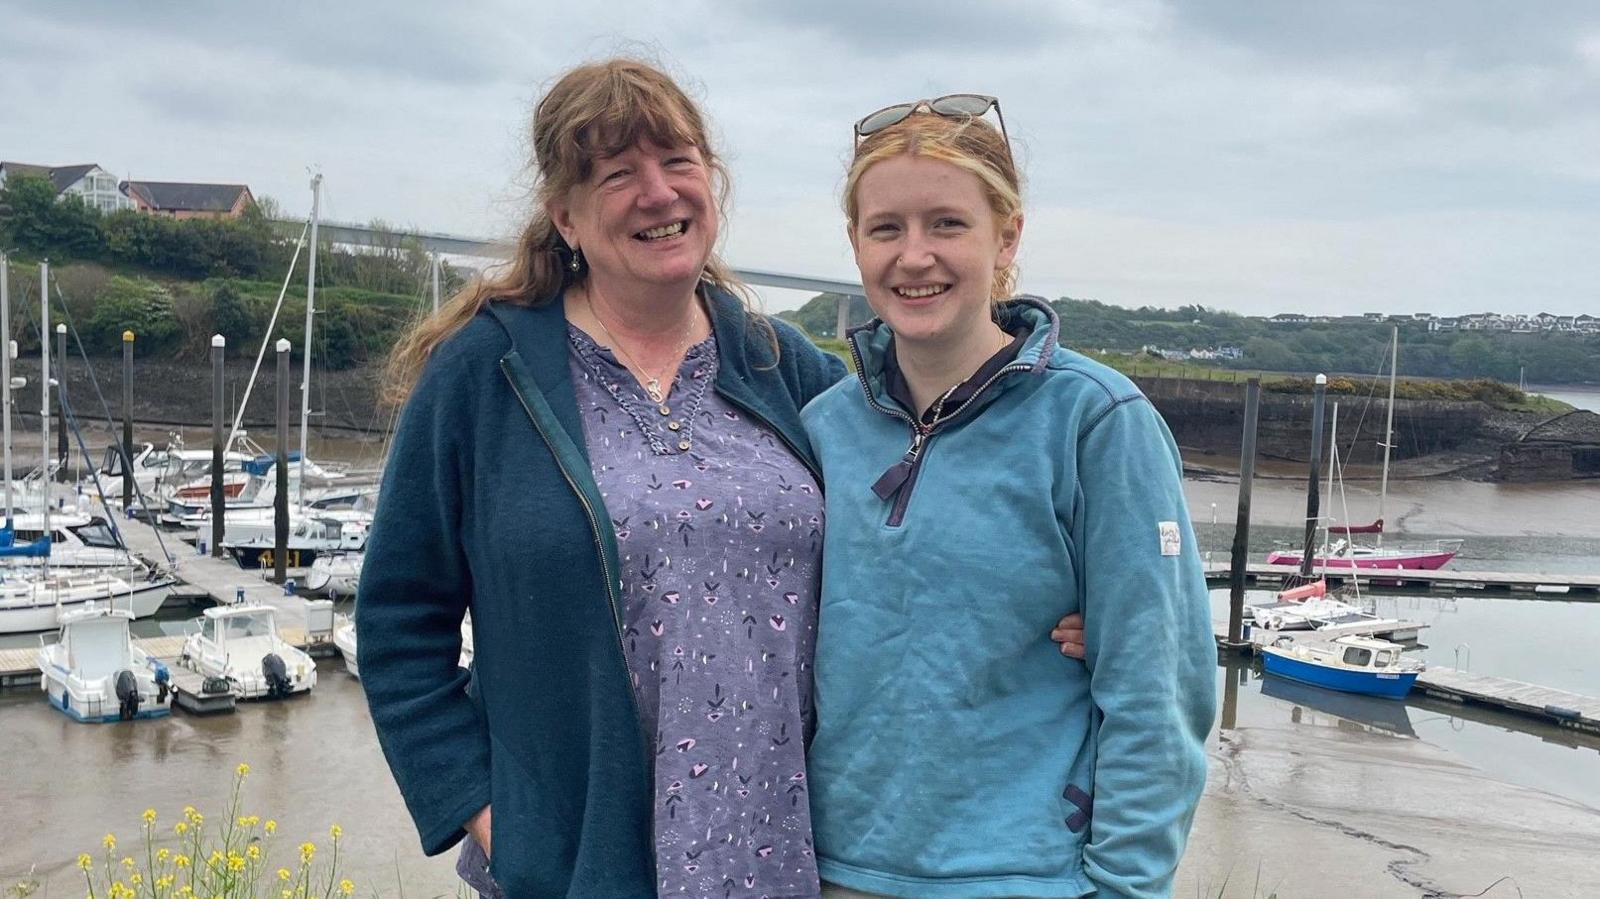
(592,112)
(970,144)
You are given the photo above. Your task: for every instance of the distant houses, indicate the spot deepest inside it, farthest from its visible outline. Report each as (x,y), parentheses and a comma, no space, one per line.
(1214,354)
(1516,323)
(99,189)
(188,201)
(94,185)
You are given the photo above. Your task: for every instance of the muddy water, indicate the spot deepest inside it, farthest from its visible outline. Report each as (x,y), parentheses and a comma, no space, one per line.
(1290,767)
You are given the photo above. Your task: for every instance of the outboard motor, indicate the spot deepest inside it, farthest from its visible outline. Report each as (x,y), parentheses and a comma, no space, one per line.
(277,675)
(127,695)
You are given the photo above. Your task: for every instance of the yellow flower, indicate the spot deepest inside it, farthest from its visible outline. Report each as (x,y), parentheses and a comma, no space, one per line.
(136,878)
(336,831)
(188,811)
(235,863)
(164,883)
(254,852)
(198,819)
(109,841)
(347,887)
(307,850)
(149,816)
(283,874)
(181,860)
(243,769)
(271,827)
(163,854)
(84,861)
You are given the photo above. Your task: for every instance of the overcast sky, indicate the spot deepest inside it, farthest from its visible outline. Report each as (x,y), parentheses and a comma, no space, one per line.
(1352,156)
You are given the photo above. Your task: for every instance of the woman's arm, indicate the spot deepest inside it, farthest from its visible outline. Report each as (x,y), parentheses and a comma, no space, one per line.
(1148,647)
(415,589)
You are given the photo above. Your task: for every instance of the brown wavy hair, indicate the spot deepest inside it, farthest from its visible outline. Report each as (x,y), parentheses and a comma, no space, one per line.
(969,144)
(594,111)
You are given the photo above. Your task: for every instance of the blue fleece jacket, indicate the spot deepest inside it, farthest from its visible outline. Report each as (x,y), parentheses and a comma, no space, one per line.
(958,753)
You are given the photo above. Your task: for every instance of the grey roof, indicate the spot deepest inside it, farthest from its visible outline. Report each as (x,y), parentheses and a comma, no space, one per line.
(179,195)
(62,176)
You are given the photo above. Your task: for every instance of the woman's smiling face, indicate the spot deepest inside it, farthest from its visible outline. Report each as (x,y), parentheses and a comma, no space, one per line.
(929,245)
(644,218)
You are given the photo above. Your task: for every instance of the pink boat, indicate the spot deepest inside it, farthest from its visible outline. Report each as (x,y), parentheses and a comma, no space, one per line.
(1366,557)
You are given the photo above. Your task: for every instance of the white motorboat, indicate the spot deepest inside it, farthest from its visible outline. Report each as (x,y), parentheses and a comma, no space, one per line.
(29,602)
(344,637)
(335,575)
(240,642)
(92,672)
(252,541)
(78,540)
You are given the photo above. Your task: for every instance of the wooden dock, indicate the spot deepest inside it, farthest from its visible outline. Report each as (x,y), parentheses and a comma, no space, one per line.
(1528,700)
(1581,587)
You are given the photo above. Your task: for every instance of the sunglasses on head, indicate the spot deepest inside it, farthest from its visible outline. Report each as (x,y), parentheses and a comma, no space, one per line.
(950,106)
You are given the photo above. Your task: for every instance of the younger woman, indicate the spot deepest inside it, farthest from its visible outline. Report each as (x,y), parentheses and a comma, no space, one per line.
(983,479)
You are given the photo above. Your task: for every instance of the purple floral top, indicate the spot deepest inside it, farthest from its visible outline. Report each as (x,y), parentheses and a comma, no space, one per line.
(719,531)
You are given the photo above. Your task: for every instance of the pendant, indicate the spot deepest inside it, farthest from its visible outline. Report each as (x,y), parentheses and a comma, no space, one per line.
(653,387)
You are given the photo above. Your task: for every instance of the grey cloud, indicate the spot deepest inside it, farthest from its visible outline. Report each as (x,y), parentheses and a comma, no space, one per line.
(911,27)
(1476,33)
(361,35)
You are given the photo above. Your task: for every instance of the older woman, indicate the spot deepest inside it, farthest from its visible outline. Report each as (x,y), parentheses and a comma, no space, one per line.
(601,457)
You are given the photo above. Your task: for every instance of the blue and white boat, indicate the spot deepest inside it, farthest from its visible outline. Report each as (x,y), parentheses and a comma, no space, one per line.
(92,672)
(1349,664)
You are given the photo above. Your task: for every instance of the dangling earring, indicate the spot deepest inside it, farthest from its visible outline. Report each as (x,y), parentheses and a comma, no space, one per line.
(575,264)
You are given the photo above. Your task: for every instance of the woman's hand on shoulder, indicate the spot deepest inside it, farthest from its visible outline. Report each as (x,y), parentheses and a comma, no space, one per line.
(1068,633)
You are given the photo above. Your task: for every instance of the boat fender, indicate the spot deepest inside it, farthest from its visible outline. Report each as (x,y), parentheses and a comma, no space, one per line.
(216,685)
(276,673)
(127,695)
(1562,712)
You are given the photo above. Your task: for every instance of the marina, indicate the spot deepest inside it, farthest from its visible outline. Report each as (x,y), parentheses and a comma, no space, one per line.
(1441,581)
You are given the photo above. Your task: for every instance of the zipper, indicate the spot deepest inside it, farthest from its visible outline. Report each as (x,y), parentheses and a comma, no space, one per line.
(901,478)
(612,586)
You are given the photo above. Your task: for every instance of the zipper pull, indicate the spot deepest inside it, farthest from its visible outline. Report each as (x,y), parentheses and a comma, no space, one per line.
(889,483)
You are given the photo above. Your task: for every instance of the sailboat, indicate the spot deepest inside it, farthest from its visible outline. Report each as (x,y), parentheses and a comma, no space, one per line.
(1345,554)
(1307,608)
(35,600)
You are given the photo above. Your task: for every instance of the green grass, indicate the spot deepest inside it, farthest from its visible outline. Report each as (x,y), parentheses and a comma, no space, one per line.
(1492,393)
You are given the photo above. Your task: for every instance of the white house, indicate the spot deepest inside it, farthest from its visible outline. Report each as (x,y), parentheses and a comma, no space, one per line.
(96,186)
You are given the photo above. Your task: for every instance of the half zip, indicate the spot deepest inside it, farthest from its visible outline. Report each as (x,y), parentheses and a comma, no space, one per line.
(901,479)
(613,585)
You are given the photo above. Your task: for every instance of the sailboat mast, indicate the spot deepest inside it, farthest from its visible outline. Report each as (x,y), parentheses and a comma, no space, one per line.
(44,393)
(5,369)
(1388,431)
(436,283)
(311,305)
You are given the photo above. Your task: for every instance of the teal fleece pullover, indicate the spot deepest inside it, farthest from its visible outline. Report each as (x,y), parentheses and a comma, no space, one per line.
(958,753)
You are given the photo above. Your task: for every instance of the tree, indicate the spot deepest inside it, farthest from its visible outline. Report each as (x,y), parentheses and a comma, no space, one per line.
(27,207)
(230,316)
(137,305)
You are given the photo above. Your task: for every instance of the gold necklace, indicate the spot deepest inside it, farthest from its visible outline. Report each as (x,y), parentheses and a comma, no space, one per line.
(652,385)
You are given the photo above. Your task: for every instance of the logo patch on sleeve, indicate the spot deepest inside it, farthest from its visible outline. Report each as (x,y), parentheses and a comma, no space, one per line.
(1171,540)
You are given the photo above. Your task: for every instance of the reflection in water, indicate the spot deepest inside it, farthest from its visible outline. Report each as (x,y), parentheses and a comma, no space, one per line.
(1387,715)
